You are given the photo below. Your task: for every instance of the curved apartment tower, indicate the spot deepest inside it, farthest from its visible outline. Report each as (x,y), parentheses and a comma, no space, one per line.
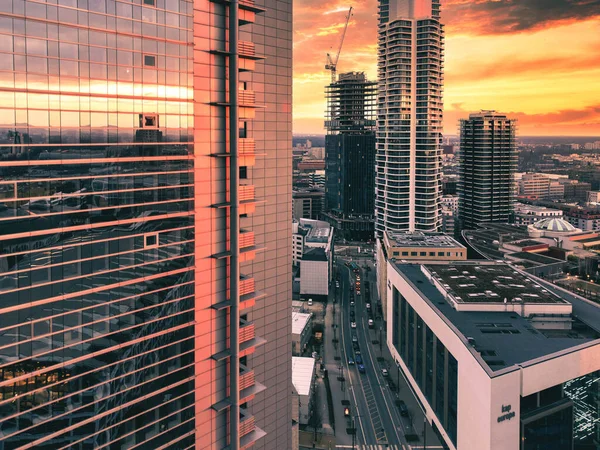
(409,116)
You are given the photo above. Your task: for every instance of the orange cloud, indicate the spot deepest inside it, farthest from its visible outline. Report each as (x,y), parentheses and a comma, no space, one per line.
(537,58)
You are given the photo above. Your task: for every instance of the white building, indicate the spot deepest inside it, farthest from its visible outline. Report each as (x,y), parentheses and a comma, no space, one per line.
(303,376)
(593,197)
(316,262)
(301,331)
(498,359)
(450,202)
(409,120)
(529,214)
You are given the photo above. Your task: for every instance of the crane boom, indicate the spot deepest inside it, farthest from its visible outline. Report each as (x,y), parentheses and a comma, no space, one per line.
(331,64)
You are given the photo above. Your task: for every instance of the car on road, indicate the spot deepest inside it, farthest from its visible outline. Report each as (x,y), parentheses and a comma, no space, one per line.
(368,305)
(346,412)
(403,408)
(357,277)
(356,347)
(359,359)
(337,284)
(354,339)
(371,323)
(385,373)
(350,362)
(361,368)
(310,302)
(352,304)
(357,292)
(352,324)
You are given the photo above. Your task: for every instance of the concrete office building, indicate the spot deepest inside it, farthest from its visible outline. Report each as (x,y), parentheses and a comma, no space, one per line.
(487,162)
(417,246)
(301,331)
(409,116)
(303,380)
(498,359)
(134,300)
(350,155)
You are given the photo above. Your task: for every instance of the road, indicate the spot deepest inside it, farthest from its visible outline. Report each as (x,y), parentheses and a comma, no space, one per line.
(374,406)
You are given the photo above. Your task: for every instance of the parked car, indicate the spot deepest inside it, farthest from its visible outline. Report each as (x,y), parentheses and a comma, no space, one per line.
(403,408)
(385,372)
(361,368)
(310,302)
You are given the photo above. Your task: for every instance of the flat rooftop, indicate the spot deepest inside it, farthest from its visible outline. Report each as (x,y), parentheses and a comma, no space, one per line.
(528,243)
(420,239)
(490,283)
(536,258)
(302,374)
(299,321)
(504,339)
(318,234)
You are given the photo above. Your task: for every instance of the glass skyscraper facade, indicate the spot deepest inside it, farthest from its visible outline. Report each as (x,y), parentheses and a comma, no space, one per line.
(116,305)
(409,116)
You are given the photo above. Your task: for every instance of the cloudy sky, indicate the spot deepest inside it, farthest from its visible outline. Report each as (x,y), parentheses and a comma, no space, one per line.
(538,60)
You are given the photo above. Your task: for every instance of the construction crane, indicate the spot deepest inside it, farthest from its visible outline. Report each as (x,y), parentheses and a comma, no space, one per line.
(331,64)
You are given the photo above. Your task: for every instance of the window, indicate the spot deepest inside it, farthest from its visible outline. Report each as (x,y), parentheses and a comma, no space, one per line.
(151,240)
(243,130)
(243,172)
(150,60)
(431,253)
(440,253)
(413,253)
(423,253)
(149,2)
(404,253)
(148,120)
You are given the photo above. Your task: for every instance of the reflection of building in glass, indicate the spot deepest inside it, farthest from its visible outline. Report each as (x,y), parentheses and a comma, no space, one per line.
(115,238)
(585,394)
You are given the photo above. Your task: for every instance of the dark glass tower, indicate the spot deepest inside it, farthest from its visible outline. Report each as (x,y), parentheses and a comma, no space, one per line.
(487,161)
(350,155)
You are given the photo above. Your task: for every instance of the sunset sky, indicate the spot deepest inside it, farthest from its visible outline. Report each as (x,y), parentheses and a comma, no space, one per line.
(537,60)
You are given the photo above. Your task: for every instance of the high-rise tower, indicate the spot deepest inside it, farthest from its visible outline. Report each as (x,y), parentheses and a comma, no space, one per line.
(487,161)
(145,181)
(350,155)
(409,116)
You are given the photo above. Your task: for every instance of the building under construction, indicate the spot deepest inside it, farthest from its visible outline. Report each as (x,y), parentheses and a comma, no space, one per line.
(350,155)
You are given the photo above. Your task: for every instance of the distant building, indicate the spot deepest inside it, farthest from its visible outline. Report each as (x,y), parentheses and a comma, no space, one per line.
(593,197)
(584,219)
(316,263)
(542,186)
(529,214)
(416,246)
(448,221)
(592,145)
(307,203)
(498,359)
(575,190)
(350,155)
(301,332)
(450,202)
(303,381)
(487,162)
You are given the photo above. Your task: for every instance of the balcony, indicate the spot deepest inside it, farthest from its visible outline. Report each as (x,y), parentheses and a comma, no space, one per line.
(246,239)
(246,331)
(246,286)
(247,98)
(246,146)
(246,193)
(246,377)
(246,423)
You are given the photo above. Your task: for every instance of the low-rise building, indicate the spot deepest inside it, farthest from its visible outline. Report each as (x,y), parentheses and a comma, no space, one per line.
(529,214)
(303,377)
(497,358)
(584,219)
(316,262)
(301,332)
(414,246)
(575,190)
(307,203)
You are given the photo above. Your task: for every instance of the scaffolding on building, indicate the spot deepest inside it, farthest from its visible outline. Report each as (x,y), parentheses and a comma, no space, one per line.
(351,104)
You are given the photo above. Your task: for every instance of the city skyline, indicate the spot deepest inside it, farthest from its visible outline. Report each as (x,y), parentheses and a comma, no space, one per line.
(526,60)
